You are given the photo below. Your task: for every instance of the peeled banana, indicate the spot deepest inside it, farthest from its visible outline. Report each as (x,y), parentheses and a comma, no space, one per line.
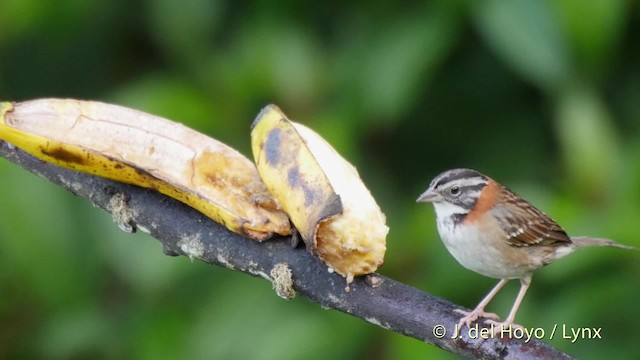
(323,194)
(133,147)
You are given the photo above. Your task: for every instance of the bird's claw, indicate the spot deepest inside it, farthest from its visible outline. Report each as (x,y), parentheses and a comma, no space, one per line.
(471,316)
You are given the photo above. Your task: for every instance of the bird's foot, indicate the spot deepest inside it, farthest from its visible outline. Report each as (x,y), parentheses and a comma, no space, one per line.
(471,316)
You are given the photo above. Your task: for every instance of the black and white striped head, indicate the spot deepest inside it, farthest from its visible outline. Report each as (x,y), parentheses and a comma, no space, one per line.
(455,192)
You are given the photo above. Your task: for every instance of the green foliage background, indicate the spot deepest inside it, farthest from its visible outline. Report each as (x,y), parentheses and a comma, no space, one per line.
(541,95)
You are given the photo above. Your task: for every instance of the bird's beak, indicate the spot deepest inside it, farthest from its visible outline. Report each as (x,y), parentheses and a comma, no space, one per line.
(429,196)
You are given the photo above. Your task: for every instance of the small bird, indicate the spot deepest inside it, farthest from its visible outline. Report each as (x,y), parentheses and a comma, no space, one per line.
(491,230)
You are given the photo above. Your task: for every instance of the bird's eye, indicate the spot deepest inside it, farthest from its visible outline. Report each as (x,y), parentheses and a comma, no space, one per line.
(455,190)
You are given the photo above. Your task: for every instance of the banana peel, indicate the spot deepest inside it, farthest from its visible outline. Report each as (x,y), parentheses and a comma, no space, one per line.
(133,147)
(323,194)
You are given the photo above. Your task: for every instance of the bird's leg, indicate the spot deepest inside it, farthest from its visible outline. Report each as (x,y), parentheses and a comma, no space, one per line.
(499,326)
(478,312)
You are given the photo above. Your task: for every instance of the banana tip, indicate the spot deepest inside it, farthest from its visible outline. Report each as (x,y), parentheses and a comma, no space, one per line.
(264,110)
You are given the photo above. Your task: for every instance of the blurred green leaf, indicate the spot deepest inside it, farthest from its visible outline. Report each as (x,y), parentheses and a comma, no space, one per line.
(41,239)
(527,37)
(401,58)
(270,58)
(589,142)
(185,29)
(74,333)
(275,329)
(594,28)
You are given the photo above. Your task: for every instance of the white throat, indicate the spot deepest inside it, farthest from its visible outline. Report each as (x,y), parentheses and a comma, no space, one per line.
(446,210)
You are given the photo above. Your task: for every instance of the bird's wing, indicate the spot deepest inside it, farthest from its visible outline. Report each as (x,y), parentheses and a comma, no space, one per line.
(525,225)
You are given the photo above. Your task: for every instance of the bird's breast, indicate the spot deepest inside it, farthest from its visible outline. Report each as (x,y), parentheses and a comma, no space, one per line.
(484,251)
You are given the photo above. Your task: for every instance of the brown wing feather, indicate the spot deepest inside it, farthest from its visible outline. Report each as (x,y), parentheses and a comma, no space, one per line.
(526,225)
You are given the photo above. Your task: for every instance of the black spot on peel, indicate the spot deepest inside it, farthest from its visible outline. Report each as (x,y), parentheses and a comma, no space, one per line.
(272,147)
(296,180)
(293,177)
(333,207)
(330,207)
(143,172)
(63,155)
(309,195)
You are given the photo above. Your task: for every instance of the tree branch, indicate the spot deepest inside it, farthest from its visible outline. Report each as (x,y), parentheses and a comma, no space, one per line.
(184,231)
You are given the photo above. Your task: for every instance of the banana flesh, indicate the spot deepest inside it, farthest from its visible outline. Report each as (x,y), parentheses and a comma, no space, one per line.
(133,147)
(323,194)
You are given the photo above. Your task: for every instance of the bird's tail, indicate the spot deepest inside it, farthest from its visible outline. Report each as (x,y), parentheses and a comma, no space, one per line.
(583,241)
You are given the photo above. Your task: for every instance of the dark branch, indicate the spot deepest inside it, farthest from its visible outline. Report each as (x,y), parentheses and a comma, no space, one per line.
(184,231)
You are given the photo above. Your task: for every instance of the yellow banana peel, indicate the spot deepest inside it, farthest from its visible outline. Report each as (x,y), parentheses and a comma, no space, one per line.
(133,147)
(323,194)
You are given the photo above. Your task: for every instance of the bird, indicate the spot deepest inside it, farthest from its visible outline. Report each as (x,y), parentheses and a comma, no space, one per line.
(494,232)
